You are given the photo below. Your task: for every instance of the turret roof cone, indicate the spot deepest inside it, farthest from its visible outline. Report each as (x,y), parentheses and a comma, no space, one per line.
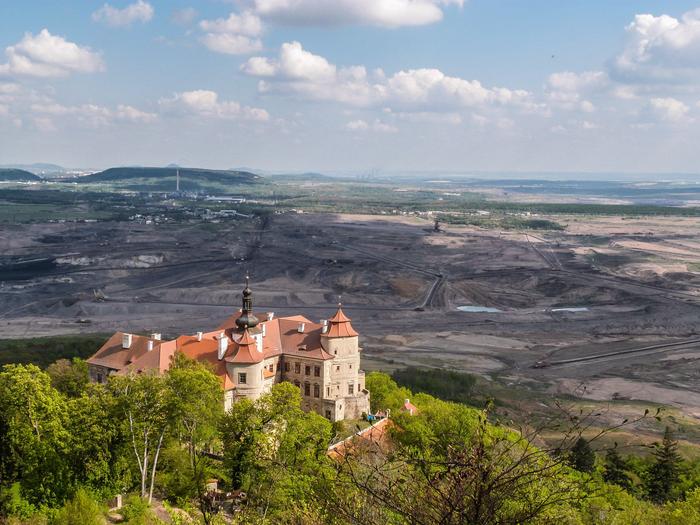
(340,325)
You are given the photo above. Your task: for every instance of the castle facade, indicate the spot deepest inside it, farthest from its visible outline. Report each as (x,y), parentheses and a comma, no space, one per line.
(251,352)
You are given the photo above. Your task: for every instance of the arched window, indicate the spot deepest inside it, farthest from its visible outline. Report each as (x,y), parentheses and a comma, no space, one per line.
(307,389)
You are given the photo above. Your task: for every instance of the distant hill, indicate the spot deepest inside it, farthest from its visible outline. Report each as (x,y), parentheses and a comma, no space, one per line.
(38,168)
(163,179)
(305,177)
(7,174)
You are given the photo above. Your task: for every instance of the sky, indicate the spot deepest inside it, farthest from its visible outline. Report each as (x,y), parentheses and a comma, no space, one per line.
(353,85)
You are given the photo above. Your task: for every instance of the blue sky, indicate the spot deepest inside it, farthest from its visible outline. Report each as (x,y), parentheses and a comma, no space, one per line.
(353,85)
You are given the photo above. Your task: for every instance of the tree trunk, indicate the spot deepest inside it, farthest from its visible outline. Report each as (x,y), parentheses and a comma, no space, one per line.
(155,464)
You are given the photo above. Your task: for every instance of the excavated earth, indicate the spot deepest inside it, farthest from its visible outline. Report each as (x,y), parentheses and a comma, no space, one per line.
(600,287)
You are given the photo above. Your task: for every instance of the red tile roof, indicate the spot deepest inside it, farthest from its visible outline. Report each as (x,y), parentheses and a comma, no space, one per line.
(340,325)
(112,355)
(283,335)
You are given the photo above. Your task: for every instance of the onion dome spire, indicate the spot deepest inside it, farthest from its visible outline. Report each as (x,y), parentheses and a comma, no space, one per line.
(247,319)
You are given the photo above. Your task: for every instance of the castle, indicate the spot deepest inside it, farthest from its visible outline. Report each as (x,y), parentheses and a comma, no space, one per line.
(250,353)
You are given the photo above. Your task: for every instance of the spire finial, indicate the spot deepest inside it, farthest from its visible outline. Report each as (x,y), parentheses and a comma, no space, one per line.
(247,319)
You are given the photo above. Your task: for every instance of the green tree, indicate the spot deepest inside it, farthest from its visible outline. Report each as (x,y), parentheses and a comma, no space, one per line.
(147,409)
(35,441)
(615,470)
(69,377)
(663,475)
(276,451)
(198,407)
(581,456)
(385,393)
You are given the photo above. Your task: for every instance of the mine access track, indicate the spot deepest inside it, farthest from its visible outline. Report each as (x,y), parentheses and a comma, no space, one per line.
(585,359)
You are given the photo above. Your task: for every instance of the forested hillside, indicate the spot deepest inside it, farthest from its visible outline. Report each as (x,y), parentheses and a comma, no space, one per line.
(67,447)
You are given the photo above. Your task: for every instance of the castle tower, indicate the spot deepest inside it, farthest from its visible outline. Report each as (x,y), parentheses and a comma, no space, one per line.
(247,319)
(347,381)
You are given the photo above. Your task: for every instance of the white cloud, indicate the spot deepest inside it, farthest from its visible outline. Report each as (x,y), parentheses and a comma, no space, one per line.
(357,125)
(184,16)
(231,44)
(377,125)
(670,109)
(661,48)
(204,103)
(236,35)
(311,76)
(90,114)
(386,13)
(243,24)
(566,81)
(137,12)
(47,55)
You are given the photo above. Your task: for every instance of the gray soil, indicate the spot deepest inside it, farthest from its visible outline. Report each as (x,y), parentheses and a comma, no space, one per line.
(399,281)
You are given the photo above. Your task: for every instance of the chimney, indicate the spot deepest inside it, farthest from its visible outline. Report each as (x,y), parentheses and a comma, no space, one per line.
(126,340)
(324,326)
(270,316)
(301,327)
(223,346)
(264,329)
(150,345)
(199,336)
(156,336)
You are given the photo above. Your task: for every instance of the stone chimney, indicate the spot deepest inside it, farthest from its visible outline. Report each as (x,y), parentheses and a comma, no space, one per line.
(126,340)
(156,336)
(301,328)
(223,345)
(199,336)
(150,345)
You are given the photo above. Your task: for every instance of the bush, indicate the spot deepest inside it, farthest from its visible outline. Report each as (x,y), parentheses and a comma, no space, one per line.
(137,511)
(82,509)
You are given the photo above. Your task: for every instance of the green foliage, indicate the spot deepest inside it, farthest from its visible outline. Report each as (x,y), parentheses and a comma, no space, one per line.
(42,351)
(69,377)
(581,456)
(35,440)
(385,393)
(13,504)
(445,384)
(615,470)
(138,511)
(82,509)
(663,475)
(275,450)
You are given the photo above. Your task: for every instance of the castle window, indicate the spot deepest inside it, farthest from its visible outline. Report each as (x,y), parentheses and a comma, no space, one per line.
(100,379)
(317,371)
(286,367)
(297,383)
(297,368)
(272,367)
(317,390)
(351,388)
(337,368)
(350,366)
(307,370)
(328,414)
(242,378)
(328,391)
(307,389)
